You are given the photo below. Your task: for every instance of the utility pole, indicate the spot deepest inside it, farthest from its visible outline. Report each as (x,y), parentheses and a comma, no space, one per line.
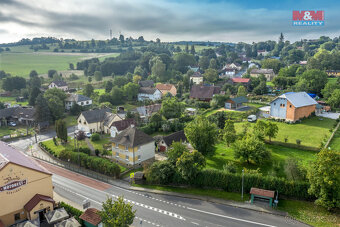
(242,182)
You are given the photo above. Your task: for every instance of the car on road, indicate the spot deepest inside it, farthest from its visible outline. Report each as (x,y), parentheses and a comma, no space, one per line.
(13,124)
(88,134)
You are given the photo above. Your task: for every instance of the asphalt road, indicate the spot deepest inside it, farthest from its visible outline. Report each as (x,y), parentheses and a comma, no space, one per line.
(23,144)
(164,210)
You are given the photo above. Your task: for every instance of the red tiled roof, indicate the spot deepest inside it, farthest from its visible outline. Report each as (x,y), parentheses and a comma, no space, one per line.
(9,154)
(262,192)
(91,216)
(35,200)
(164,86)
(123,124)
(240,80)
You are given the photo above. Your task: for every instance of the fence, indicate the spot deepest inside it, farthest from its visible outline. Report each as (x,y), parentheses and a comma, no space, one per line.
(331,137)
(74,168)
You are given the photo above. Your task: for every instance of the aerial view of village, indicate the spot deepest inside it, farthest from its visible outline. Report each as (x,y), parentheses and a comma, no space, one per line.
(212,113)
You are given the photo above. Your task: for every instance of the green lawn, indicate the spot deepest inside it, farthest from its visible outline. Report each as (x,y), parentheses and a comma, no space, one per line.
(70,120)
(278,156)
(12,100)
(105,139)
(14,131)
(21,63)
(310,131)
(332,80)
(255,105)
(335,143)
(68,146)
(200,192)
(309,213)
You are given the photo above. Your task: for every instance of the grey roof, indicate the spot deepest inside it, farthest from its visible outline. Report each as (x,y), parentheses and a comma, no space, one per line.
(56,215)
(147,90)
(204,92)
(18,112)
(29,223)
(262,71)
(298,99)
(77,98)
(197,74)
(10,155)
(175,137)
(96,115)
(71,222)
(148,110)
(60,83)
(239,100)
(146,83)
(132,137)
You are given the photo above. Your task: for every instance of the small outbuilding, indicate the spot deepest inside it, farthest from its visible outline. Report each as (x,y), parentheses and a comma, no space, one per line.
(235,103)
(91,218)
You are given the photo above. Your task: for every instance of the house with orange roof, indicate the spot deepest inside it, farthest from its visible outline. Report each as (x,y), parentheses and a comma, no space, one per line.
(167,88)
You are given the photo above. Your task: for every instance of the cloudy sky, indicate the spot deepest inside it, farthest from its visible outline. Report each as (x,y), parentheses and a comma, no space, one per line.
(169,20)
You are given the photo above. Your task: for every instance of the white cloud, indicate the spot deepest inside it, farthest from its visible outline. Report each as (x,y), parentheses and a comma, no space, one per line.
(170,21)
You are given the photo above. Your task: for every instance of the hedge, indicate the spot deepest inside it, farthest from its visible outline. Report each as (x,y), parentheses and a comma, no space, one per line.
(218,179)
(73,211)
(97,164)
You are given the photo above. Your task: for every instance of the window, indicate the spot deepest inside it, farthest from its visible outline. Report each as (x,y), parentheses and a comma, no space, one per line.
(87,102)
(82,103)
(16,217)
(126,148)
(127,157)
(117,155)
(116,145)
(139,156)
(274,103)
(290,106)
(79,121)
(283,105)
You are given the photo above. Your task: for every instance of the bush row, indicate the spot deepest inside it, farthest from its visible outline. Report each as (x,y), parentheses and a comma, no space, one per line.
(218,179)
(73,211)
(97,164)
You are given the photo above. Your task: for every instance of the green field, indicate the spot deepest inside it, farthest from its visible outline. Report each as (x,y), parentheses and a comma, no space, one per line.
(335,143)
(12,100)
(20,64)
(310,131)
(197,47)
(332,80)
(279,154)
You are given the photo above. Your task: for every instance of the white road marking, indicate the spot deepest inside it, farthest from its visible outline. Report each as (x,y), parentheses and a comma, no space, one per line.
(194,223)
(237,219)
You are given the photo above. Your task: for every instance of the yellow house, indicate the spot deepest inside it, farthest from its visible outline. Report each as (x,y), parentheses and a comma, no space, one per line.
(26,190)
(333,72)
(133,147)
(97,120)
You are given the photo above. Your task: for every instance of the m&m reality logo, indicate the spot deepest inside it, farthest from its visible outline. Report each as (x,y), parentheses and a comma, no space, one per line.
(308,18)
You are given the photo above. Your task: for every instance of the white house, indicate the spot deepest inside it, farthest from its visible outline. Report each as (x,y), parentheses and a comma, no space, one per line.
(62,85)
(149,93)
(235,66)
(197,78)
(118,126)
(81,100)
(228,73)
(133,147)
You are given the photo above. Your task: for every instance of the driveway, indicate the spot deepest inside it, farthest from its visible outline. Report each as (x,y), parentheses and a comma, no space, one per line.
(330,115)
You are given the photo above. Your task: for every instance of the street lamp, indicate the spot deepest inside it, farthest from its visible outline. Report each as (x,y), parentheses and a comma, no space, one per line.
(242,181)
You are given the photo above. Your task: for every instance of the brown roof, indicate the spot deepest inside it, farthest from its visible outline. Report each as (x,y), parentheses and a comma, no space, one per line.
(35,200)
(132,137)
(262,192)
(123,124)
(240,80)
(175,137)
(91,216)
(164,86)
(10,155)
(204,92)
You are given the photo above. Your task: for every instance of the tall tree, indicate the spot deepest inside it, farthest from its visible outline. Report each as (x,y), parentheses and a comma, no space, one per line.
(211,75)
(88,90)
(61,130)
(251,148)
(42,112)
(131,90)
(187,48)
(189,164)
(117,213)
(176,150)
(201,134)
(229,132)
(241,91)
(192,50)
(271,130)
(324,179)
(172,108)
(33,73)
(35,91)
(108,86)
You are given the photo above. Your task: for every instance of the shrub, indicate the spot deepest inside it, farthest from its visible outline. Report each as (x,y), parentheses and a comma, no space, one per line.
(97,152)
(95,137)
(73,211)
(84,150)
(298,142)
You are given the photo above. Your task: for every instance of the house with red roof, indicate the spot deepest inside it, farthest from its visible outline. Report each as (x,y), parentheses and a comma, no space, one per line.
(244,81)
